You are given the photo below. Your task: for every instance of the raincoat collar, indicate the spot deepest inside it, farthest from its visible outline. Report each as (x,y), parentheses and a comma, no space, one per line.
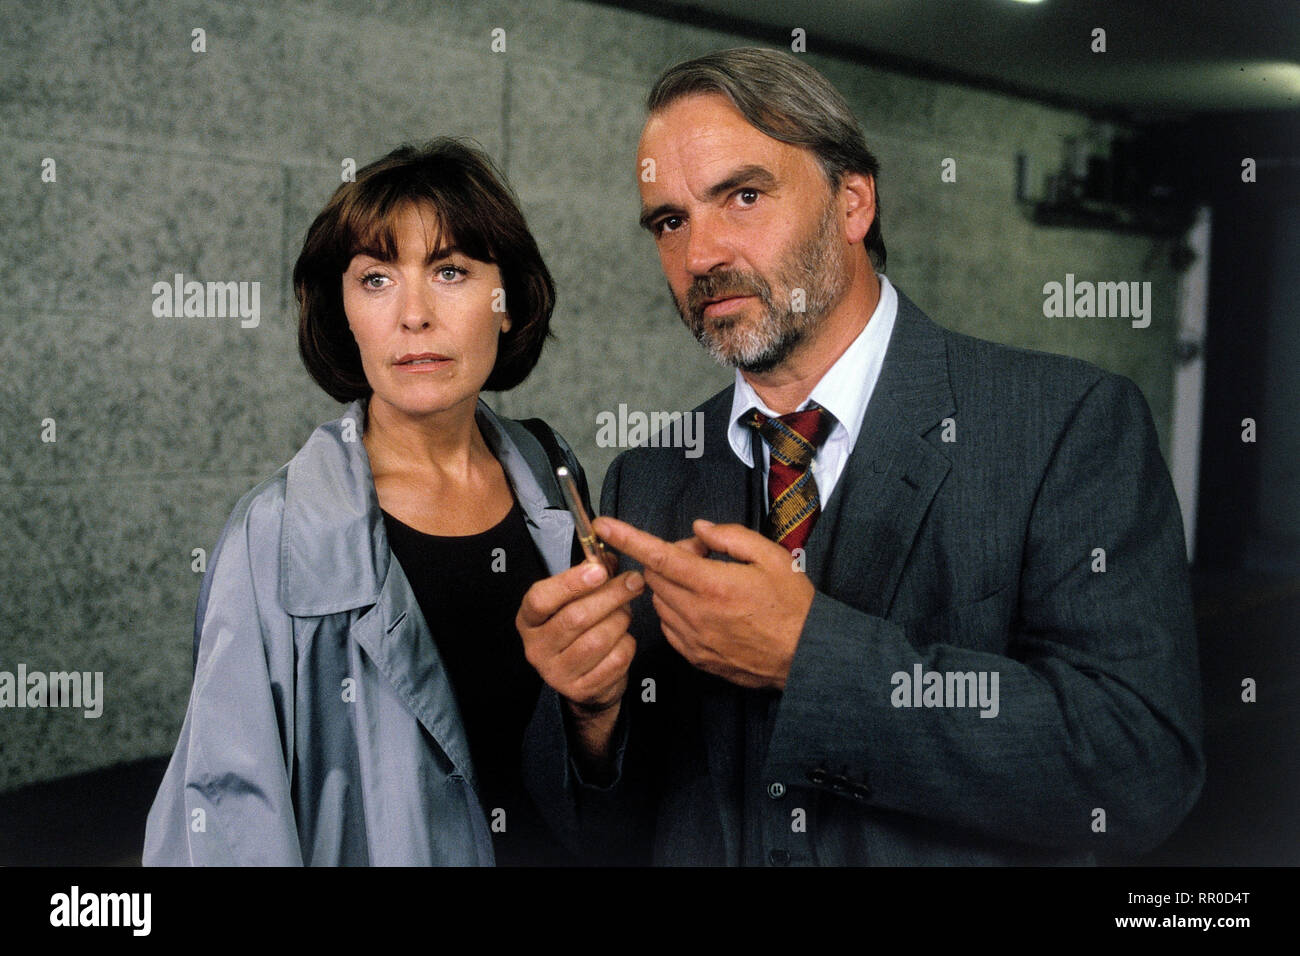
(334,552)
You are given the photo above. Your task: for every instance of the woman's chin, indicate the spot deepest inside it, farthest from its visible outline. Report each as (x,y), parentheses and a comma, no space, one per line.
(424,403)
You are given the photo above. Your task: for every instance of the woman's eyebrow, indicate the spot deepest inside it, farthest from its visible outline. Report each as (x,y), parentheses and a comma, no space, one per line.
(371,251)
(442,252)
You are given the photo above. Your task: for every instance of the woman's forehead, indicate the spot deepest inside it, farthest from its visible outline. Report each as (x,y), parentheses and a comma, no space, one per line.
(412,223)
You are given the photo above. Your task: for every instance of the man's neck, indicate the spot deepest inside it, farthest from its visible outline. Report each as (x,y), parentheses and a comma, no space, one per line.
(784,388)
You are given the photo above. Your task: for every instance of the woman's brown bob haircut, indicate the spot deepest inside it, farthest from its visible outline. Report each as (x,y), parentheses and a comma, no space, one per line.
(474,208)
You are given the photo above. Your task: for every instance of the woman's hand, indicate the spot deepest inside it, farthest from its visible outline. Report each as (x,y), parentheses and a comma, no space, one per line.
(574,629)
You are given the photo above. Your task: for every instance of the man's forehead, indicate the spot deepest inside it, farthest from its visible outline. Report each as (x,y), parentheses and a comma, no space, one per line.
(704,136)
(697,120)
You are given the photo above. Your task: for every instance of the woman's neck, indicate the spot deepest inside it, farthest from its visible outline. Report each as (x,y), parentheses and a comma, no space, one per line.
(435,473)
(446,444)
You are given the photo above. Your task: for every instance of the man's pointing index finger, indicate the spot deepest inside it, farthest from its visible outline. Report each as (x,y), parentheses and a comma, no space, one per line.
(673,562)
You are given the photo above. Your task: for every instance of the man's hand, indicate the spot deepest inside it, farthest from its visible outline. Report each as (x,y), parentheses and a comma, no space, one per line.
(574,629)
(740,619)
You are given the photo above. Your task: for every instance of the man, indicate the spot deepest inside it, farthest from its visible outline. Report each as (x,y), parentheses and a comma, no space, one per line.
(964,633)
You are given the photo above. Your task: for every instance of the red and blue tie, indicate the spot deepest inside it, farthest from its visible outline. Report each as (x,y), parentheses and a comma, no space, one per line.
(793,501)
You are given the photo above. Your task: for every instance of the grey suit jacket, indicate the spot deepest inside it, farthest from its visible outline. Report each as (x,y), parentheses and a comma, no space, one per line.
(979,554)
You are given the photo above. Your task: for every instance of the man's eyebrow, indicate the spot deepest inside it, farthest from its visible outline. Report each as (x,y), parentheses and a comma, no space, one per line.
(752,175)
(650,215)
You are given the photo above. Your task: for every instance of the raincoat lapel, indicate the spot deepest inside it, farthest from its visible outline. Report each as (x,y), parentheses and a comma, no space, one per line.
(523,460)
(397,640)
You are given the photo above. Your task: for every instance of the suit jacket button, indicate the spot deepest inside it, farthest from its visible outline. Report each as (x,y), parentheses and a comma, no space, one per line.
(776,790)
(860,791)
(818,776)
(778,857)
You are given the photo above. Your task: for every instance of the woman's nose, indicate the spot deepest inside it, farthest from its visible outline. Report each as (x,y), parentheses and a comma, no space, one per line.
(417,311)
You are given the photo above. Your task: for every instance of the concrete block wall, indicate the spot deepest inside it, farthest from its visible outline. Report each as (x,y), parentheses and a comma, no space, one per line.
(212,165)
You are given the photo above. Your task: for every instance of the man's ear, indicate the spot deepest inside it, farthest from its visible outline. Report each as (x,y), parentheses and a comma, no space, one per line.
(858,192)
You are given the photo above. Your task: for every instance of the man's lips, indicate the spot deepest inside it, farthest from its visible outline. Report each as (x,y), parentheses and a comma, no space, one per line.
(725,306)
(421,362)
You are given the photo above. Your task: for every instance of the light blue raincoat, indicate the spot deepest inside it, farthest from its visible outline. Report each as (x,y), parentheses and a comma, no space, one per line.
(322,728)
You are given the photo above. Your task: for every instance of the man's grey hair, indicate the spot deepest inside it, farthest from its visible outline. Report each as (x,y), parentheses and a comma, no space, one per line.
(783,97)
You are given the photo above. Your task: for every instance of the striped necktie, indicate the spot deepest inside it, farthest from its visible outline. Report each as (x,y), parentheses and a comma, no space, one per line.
(793,502)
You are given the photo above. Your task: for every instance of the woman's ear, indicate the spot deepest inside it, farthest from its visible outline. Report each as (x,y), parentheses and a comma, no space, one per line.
(505,324)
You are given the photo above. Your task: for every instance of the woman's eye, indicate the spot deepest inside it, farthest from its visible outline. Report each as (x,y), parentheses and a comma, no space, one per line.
(373,280)
(450,273)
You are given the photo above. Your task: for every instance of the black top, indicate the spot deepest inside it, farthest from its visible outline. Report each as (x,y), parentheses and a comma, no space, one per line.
(469,589)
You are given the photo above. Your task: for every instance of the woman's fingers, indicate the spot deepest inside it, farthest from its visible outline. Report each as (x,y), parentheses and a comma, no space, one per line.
(586,620)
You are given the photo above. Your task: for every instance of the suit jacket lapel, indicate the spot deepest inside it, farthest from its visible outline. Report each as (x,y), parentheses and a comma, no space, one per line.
(721,489)
(858,549)
(717,484)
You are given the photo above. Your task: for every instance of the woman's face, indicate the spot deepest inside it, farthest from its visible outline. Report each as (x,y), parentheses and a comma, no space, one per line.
(424,323)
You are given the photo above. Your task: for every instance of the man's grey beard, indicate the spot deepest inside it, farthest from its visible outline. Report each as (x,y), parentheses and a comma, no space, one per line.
(817,265)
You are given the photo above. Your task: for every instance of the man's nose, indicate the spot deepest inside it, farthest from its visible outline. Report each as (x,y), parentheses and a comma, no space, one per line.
(706,248)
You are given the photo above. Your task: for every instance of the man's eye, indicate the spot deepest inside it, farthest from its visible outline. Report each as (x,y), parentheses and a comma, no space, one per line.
(747,197)
(668,224)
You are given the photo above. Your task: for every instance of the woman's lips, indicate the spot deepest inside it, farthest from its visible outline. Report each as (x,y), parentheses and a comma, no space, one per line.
(422,362)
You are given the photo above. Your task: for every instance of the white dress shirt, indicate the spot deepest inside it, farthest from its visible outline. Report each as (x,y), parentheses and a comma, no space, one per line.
(844,391)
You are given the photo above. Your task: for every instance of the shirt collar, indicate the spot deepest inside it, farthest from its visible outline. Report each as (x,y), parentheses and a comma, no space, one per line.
(844,390)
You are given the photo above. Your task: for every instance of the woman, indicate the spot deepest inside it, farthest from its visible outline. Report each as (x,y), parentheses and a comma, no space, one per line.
(360,692)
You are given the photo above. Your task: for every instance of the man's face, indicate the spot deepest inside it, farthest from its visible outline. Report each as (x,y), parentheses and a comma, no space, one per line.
(749,233)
